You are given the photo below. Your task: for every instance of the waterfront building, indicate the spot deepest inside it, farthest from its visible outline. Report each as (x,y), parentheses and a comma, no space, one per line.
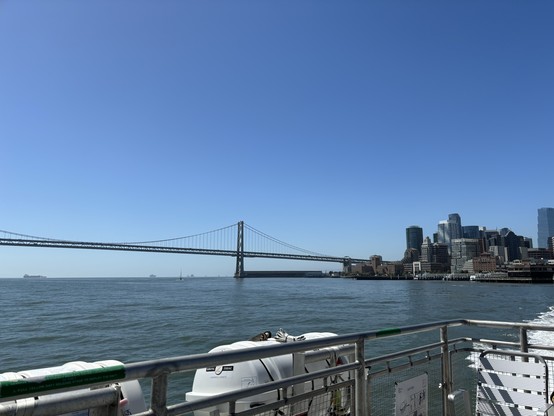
(433,268)
(484,263)
(414,238)
(391,269)
(362,269)
(375,262)
(545,226)
(530,272)
(377,267)
(539,254)
(463,250)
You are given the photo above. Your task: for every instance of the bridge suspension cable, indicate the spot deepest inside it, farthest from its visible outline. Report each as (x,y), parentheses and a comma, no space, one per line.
(261,242)
(12,235)
(222,238)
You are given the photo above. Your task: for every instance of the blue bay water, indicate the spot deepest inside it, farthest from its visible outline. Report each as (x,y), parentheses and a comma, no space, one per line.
(49,322)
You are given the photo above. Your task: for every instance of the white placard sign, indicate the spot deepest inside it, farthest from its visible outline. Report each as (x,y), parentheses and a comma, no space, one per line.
(411,397)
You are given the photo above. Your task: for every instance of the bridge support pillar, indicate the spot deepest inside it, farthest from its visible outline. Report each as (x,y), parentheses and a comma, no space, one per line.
(347,266)
(239,271)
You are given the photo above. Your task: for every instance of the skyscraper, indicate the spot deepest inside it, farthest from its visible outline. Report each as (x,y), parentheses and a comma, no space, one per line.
(414,238)
(463,250)
(450,230)
(545,226)
(471,231)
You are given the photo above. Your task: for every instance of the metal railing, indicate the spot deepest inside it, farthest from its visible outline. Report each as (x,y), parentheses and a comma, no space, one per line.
(367,382)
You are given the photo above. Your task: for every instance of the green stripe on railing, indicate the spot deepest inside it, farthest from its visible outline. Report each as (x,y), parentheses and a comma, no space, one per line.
(388,332)
(61,381)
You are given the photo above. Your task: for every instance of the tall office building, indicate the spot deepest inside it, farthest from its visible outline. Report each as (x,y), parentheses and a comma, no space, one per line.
(414,238)
(434,257)
(545,226)
(471,231)
(426,251)
(449,230)
(513,243)
(463,250)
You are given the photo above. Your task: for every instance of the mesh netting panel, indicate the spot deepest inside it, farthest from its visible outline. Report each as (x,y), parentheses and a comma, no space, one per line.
(330,403)
(382,387)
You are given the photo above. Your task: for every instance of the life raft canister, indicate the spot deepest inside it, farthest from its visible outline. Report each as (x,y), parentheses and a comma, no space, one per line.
(132,398)
(211,381)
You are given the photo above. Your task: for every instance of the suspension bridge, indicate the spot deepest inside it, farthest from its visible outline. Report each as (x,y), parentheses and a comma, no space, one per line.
(238,240)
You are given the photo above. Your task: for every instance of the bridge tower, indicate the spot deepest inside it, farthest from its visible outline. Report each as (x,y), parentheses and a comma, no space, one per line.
(239,272)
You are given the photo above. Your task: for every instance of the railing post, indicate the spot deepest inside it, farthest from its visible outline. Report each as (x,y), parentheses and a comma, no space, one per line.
(523,341)
(158,402)
(362,408)
(298,368)
(446,373)
(113,409)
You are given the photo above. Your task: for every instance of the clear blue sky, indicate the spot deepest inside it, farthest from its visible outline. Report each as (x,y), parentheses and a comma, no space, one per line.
(331,125)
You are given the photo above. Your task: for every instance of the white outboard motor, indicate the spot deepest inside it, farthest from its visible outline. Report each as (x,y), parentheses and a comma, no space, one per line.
(132,400)
(211,381)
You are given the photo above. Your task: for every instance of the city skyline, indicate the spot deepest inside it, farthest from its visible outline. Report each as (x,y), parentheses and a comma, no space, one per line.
(330,126)
(458,248)
(454,228)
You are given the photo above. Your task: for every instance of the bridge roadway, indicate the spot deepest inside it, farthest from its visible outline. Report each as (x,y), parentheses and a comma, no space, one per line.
(161,249)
